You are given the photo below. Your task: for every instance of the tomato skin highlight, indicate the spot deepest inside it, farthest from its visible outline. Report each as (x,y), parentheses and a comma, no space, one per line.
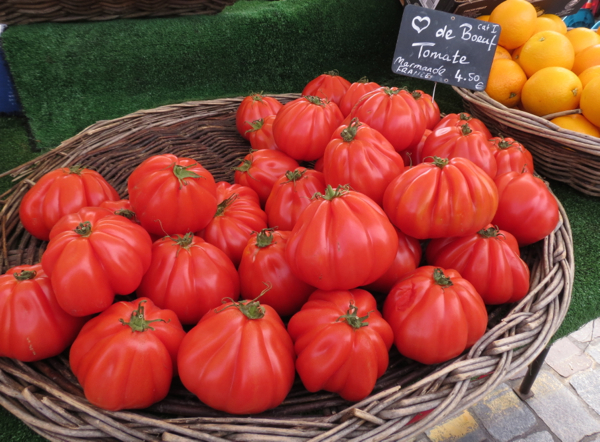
(120,368)
(342,240)
(333,355)
(34,326)
(94,255)
(59,193)
(172,195)
(236,364)
(433,323)
(441,198)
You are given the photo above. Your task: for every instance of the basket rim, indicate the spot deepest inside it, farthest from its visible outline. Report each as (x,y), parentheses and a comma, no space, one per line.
(512,344)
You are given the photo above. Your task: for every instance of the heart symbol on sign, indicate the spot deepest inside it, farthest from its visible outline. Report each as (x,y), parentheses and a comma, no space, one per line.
(420,23)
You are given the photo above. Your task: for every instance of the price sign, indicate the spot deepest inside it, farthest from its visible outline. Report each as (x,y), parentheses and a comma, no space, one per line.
(445,48)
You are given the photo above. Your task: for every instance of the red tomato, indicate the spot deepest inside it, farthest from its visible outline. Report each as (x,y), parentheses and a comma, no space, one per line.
(342,343)
(259,170)
(414,155)
(125,357)
(238,359)
(461,118)
(511,156)
(435,315)
(526,208)
(120,207)
(261,134)
(60,192)
(189,276)
(461,141)
(35,327)
(430,108)
(172,195)
(93,255)
(264,262)
(407,259)
(488,260)
(328,85)
(393,112)
(443,198)
(252,108)
(360,156)
(303,127)
(342,240)
(355,93)
(238,215)
(290,195)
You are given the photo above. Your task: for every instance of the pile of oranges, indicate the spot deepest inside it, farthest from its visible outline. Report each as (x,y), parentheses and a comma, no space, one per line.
(544,68)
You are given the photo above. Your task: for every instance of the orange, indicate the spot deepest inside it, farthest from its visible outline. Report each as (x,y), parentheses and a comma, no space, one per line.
(546,49)
(502,53)
(588,74)
(505,82)
(590,104)
(517,20)
(582,38)
(577,123)
(484,17)
(551,90)
(543,23)
(587,58)
(558,22)
(516,53)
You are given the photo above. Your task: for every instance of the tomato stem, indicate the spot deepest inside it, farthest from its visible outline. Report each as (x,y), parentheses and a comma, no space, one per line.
(440,162)
(25,275)
(84,229)
(363,80)
(255,125)
(183,172)
(264,238)
(352,319)
(250,309)
(416,95)
(441,279)
(464,116)
(503,144)
(391,90)
(490,232)
(465,129)
(314,100)
(225,204)
(331,194)
(257,97)
(129,214)
(138,322)
(184,241)
(294,175)
(349,133)
(76,169)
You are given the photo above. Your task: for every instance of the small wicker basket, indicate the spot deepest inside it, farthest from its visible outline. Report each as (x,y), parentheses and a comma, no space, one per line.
(409,399)
(559,154)
(22,12)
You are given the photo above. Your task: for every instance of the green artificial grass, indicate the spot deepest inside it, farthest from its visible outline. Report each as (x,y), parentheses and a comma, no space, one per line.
(15,146)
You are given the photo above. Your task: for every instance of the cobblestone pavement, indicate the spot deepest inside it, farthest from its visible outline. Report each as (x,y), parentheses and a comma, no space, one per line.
(565,405)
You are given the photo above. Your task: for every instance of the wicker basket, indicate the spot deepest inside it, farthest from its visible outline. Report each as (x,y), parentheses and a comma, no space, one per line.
(22,12)
(409,399)
(559,154)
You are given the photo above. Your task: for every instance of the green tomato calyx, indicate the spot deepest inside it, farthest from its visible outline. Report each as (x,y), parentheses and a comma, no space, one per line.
(183,172)
(257,96)
(25,275)
(503,144)
(464,117)
(250,309)
(315,100)
(440,279)
(185,241)
(225,204)
(294,175)
(264,238)
(491,232)
(465,129)
(363,80)
(244,167)
(84,229)
(137,320)
(349,133)
(440,162)
(129,214)
(391,90)
(330,194)
(352,319)
(76,169)
(255,125)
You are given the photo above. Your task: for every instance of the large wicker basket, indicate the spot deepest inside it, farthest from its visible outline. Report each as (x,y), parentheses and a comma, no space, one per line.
(21,12)
(559,154)
(409,399)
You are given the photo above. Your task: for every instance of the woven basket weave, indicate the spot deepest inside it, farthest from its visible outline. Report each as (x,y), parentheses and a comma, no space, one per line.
(21,12)
(409,399)
(559,154)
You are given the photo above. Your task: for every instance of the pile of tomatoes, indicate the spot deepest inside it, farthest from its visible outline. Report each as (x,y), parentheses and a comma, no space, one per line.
(241,287)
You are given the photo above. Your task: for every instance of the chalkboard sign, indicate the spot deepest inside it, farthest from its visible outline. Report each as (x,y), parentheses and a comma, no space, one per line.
(445,48)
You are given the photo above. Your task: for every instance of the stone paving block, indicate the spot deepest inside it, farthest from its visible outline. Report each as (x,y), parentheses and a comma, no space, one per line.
(593,350)
(566,358)
(587,385)
(588,332)
(542,436)
(461,428)
(503,414)
(565,414)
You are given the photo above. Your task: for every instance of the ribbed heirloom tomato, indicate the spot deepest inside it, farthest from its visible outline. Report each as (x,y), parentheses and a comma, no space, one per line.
(360,156)
(125,357)
(342,240)
(33,325)
(435,314)
(238,215)
(188,276)
(329,85)
(94,255)
(60,192)
(261,134)
(355,93)
(172,195)
(342,343)
(430,108)
(239,358)
(441,198)
(252,108)
(461,118)
(511,156)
